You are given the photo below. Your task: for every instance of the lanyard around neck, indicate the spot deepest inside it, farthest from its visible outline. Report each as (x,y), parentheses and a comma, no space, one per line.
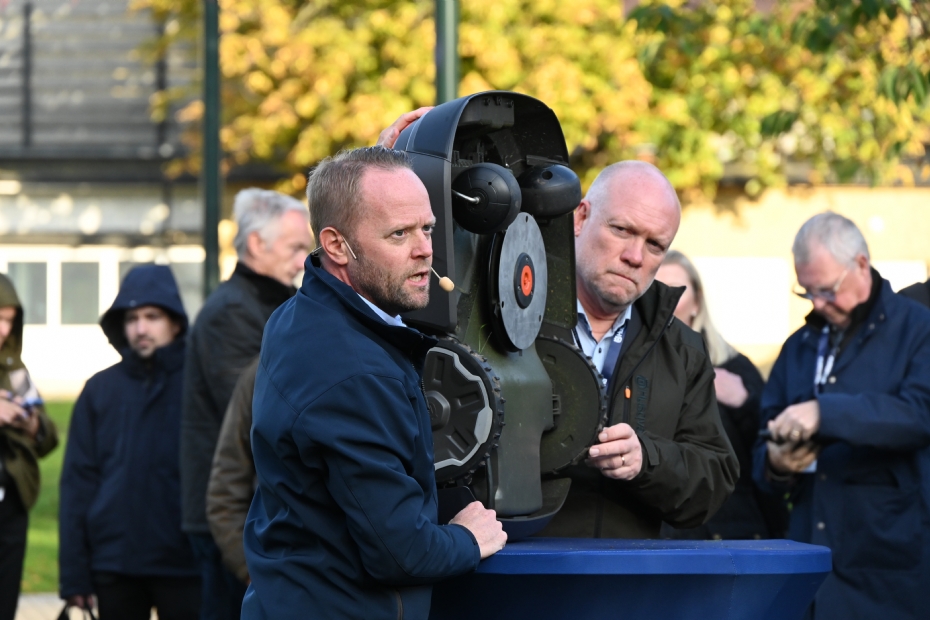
(825,361)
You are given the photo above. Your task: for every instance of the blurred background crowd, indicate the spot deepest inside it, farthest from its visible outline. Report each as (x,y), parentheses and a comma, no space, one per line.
(761,114)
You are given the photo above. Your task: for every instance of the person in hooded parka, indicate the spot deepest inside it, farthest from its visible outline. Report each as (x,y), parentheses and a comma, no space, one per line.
(120,513)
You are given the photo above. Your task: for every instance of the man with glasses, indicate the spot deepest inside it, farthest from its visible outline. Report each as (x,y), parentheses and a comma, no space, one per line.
(848,428)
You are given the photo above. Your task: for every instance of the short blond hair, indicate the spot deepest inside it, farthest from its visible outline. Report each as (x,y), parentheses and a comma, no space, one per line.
(334,187)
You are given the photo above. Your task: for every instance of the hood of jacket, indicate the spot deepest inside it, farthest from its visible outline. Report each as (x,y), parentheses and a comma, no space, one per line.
(12,347)
(146,285)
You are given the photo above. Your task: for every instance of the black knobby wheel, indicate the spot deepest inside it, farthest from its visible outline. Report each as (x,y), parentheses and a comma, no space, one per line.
(466,408)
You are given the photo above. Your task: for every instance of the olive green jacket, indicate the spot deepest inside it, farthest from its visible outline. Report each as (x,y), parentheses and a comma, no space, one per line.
(19,453)
(233,478)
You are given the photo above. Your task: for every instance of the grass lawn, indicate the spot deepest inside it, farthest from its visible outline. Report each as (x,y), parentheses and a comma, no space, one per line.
(41,571)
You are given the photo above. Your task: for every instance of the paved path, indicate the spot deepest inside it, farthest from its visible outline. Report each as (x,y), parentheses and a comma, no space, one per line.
(44,607)
(39,607)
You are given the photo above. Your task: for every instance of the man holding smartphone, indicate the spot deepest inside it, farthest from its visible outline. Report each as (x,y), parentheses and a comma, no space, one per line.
(26,434)
(847,423)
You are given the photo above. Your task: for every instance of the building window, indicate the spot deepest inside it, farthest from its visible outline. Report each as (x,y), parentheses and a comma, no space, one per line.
(80,293)
(31,282)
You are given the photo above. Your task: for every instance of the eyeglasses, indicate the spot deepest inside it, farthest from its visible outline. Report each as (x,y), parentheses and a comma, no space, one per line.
(826,294)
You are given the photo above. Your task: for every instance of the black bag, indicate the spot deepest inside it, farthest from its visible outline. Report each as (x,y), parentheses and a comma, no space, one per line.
(85,613)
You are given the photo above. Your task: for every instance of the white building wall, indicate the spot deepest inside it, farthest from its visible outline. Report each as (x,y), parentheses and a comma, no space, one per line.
(61,357)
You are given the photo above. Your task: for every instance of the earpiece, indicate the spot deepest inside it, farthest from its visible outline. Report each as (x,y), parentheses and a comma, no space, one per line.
(349,248)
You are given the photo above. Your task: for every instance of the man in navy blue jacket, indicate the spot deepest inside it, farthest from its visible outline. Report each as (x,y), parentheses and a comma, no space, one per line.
(120,512)
(344,520)
(848,408)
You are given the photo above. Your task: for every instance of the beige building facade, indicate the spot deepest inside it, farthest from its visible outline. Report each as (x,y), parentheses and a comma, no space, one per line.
(742,248)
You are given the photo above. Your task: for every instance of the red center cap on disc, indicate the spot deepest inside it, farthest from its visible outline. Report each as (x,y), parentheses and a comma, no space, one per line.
(526,280)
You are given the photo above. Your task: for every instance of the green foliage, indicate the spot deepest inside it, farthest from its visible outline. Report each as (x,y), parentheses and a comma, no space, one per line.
(40,572)
(837,85)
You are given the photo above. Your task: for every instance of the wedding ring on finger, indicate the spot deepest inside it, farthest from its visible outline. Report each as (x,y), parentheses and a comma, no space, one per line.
(622,461)
(795,434)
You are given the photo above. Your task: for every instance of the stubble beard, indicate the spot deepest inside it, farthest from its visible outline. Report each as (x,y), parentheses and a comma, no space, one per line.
(144,348)
(595,282)
(386,290)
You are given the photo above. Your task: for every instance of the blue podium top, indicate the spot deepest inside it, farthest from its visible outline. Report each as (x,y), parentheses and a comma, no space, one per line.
(575,556)
(558,578)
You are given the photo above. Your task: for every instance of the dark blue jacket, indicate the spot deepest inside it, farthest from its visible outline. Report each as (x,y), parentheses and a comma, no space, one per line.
(343,524)
(120,491)
(868,500)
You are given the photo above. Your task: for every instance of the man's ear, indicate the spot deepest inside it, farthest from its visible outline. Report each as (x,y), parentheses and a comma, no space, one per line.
(862,263)
(334,247)
(254,244)
(582,214)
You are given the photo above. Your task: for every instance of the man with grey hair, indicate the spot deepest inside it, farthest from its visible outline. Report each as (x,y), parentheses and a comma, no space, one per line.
(664,454)
(847,411)
(272,242)
(344,523)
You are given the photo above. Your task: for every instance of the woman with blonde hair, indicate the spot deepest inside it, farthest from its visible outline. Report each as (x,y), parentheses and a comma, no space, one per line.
(747,514)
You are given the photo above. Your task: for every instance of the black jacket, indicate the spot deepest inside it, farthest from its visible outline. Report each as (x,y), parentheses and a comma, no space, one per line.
(748,513)
(344,521)
(225,338)
(120,493)
(919,292)
(663,386)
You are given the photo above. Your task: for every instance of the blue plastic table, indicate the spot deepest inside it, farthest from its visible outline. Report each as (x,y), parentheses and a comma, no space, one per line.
(568,579)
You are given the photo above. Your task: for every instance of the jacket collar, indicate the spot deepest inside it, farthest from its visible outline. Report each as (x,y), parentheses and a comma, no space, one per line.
(406,339)
(653,312)
(267,289)
(657,305)
(867,317)
(860,313)
(167,358)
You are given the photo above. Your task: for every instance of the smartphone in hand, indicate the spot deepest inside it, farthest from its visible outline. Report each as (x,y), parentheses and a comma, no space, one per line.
(30,404)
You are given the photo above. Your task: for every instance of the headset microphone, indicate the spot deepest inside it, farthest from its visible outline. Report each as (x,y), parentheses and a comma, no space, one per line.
(444,283)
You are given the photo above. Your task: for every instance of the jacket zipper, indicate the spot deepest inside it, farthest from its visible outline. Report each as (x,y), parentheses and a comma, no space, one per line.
(626,381)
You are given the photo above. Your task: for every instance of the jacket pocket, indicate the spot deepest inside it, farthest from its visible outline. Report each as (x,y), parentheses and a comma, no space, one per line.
(882,528)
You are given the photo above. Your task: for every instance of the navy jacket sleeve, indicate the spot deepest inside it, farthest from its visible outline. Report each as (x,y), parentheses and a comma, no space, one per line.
(80,478)
(387,509)
(898,421)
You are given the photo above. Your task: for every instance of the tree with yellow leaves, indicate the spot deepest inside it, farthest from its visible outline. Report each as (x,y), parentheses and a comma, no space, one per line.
(832,90)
